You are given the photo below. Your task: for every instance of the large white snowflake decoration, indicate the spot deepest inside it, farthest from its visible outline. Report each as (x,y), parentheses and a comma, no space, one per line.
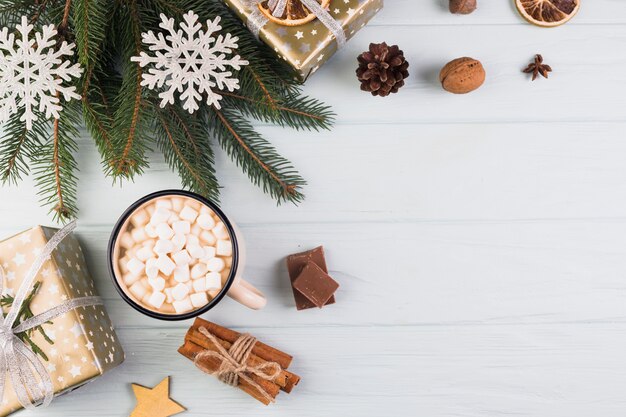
(32,73)
(190,61)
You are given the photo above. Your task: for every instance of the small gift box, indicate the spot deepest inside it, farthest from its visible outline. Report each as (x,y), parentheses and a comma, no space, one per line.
(55,335)
(305,33)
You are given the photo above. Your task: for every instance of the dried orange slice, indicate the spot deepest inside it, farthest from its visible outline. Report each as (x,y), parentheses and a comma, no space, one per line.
(548,13)
(295,14)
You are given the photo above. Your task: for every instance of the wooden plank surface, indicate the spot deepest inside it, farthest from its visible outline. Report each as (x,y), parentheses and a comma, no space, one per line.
(479,240)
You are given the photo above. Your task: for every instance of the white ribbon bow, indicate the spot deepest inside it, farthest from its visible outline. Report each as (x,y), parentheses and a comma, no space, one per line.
(257,20)
(30,379)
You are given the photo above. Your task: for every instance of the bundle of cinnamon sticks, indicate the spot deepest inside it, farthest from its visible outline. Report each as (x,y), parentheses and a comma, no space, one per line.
(196,343)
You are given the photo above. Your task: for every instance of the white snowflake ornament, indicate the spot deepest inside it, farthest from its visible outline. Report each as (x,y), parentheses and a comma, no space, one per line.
(32,73)
(190,61)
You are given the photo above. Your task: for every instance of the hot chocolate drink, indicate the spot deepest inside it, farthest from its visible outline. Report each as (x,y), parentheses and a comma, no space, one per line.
(173,255)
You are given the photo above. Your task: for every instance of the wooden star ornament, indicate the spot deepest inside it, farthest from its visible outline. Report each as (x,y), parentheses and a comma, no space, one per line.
(155,402)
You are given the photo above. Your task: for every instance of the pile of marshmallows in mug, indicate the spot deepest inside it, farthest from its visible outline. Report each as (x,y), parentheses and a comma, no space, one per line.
(177,254)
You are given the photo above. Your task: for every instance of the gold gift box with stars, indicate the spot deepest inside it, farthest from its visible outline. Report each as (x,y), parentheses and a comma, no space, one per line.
(85,344)
(307,47)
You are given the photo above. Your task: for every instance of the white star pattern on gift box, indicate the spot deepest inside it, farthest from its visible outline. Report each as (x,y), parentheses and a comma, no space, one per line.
(190,61)
(32,73)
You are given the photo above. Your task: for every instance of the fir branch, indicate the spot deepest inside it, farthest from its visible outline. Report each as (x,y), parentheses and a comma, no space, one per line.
(130,123)
(17,145)
(24,314)
(256,157)
(90,18)
(55,166)
(180,138)
(297,112)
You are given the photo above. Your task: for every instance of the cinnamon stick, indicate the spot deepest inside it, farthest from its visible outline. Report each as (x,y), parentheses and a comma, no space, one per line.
(286,380)
(190,350)
(261,350)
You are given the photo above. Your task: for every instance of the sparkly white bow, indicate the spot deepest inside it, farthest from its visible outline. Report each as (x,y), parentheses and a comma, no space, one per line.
(257,20)
(30,379)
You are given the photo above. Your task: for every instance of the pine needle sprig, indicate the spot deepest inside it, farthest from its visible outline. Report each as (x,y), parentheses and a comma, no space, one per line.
(186,149)
(17,146)
(55,167)
(130,130)
(255,155)
(24,314)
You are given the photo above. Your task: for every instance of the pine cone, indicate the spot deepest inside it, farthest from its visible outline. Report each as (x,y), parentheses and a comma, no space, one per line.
(382,70)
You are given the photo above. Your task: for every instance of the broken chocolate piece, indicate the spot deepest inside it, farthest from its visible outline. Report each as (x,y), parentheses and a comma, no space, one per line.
(315,284)
(295,264)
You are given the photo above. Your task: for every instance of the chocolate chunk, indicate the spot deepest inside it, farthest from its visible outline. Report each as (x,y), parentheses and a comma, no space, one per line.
(295,264)
(315,284)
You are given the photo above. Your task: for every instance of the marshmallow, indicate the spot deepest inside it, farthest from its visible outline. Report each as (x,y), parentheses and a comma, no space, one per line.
(130,279)
(220,231)
(224,247)
(164,246)
(160,215)
(196,230)
(209,253)
(199,299)
(138,290)
(157,299)
(193,240)
(173,219)
(164,231)
(165,265)
(152,269)
(144,253)
(151,231)
(177,204)
(124,264)
(139,234)
(181,258)
(208,237)
(126,240)
(139,218)
(214,293)
(215,264)
(183,306)
(163,203)
(199,285)
(180,291)
(198,270)
(181,273)
(182,226)
(146,298)
(135,266)
(188,213)
(205,221)
(157,284)
(179,241)
(168,294)
(150,210)
(195,251)
(213,281)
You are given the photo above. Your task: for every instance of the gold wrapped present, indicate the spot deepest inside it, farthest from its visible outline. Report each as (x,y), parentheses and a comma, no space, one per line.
(55,335)
(305,33)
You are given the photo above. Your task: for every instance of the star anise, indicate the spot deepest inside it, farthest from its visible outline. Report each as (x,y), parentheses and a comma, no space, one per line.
(538,67)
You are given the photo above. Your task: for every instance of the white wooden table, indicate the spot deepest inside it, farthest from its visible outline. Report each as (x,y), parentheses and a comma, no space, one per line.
(479,240)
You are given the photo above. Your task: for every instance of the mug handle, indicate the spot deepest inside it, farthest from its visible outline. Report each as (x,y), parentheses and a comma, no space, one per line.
(245,293)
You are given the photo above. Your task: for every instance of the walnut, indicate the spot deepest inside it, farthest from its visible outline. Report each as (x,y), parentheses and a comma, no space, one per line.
(462,75)
(462,6)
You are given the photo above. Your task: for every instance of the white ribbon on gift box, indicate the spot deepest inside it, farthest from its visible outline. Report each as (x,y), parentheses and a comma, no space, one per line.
(30,379)
(257,19)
